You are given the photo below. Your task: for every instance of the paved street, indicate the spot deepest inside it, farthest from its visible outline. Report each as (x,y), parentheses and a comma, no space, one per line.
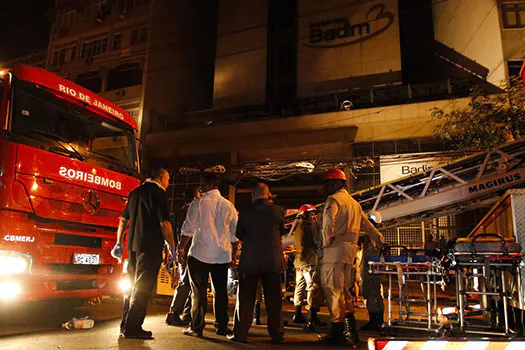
(40,329)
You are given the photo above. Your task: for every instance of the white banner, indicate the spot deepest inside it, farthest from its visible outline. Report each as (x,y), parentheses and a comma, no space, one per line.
(398,166)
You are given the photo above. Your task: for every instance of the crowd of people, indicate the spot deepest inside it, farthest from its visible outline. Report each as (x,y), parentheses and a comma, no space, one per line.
(208,230)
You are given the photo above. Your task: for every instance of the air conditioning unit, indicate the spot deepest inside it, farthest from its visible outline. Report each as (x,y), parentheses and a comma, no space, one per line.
(123,14)
(121,93)
(101,16)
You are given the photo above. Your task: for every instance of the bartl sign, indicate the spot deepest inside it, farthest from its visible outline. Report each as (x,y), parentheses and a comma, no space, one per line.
(341,31)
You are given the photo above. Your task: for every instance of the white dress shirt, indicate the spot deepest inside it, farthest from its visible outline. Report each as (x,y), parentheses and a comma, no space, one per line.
(211,222)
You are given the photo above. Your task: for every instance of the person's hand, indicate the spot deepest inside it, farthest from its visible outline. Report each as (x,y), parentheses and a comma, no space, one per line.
(180,256)
(232,264)
(117,252)
(173,255)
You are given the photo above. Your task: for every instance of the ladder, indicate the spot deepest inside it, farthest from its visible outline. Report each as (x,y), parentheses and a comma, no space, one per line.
(468,183)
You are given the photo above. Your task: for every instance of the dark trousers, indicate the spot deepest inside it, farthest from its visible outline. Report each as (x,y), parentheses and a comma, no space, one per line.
(143,268)
(199,272)
(181,303)
(246,295)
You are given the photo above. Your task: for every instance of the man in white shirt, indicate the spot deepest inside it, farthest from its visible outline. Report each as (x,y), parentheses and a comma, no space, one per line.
(211,223)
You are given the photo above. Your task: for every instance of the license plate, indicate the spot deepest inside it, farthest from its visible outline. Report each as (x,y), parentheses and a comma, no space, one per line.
(86,259)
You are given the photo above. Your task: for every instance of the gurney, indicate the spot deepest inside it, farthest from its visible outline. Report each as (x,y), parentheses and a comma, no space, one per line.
(487,268)
(411,267)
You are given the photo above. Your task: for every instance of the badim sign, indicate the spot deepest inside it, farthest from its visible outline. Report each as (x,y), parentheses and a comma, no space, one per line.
(343,31)
(341,40)
(398,166)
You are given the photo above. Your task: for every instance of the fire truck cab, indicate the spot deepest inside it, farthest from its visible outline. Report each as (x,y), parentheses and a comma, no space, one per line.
(68,160)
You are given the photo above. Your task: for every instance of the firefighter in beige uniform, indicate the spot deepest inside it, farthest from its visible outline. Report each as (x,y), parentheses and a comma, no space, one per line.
(342,221)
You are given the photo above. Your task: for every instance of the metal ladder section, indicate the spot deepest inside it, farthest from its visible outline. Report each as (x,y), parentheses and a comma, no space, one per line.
(468,183)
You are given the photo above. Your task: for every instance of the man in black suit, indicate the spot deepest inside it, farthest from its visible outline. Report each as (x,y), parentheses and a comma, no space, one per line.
(149,227)
(260,228)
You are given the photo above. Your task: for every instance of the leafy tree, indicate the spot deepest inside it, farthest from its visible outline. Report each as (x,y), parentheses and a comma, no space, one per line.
(487,120)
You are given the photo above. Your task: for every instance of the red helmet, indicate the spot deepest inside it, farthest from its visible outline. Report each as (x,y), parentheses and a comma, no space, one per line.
(335,174)
(305,208)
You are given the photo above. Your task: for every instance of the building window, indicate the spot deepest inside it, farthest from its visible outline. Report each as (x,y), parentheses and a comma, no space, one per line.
(513,15)
(63,55)
(94,47)
(90,80)
(141,2)
(98,9)
(139,35)
(125,75)
(73,53)
(133,110)
(54,61)
(117,41)
(123,7)
(514,68)
(67,19)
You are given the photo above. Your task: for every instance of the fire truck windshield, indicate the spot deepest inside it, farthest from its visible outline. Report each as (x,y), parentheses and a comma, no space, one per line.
(44,120)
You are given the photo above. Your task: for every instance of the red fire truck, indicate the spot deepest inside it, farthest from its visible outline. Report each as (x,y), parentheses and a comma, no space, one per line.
(68,160)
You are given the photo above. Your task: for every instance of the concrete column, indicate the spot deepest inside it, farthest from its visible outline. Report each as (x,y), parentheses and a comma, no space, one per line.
(347,155)
(104,76)
(349,179)
(232,190)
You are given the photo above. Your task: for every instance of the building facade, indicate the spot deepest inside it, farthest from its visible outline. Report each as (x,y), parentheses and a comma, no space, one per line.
(146,56)
(103,45)
(281,90)
(302,85)
(36,59)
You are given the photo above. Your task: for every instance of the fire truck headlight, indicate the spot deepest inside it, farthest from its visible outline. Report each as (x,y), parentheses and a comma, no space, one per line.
(9,290)
(14,262)
(125,284)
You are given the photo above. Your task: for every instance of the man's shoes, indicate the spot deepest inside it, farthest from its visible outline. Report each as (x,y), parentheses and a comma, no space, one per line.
(223,331)
(298,317)
(186,320)
(235,339)
(276,339)
(145,335)
(309,326)
(192,333)
(375,323)
(174,320)
(313,318)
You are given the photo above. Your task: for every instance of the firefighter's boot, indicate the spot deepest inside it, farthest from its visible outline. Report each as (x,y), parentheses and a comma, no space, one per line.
(336,335)
(351,335)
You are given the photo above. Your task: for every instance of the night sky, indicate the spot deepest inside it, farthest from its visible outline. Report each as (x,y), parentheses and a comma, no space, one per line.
(24,27)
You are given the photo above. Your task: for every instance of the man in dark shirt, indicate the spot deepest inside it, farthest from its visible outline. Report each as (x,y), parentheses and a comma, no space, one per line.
(180,309)
(149,226)
(260,228)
